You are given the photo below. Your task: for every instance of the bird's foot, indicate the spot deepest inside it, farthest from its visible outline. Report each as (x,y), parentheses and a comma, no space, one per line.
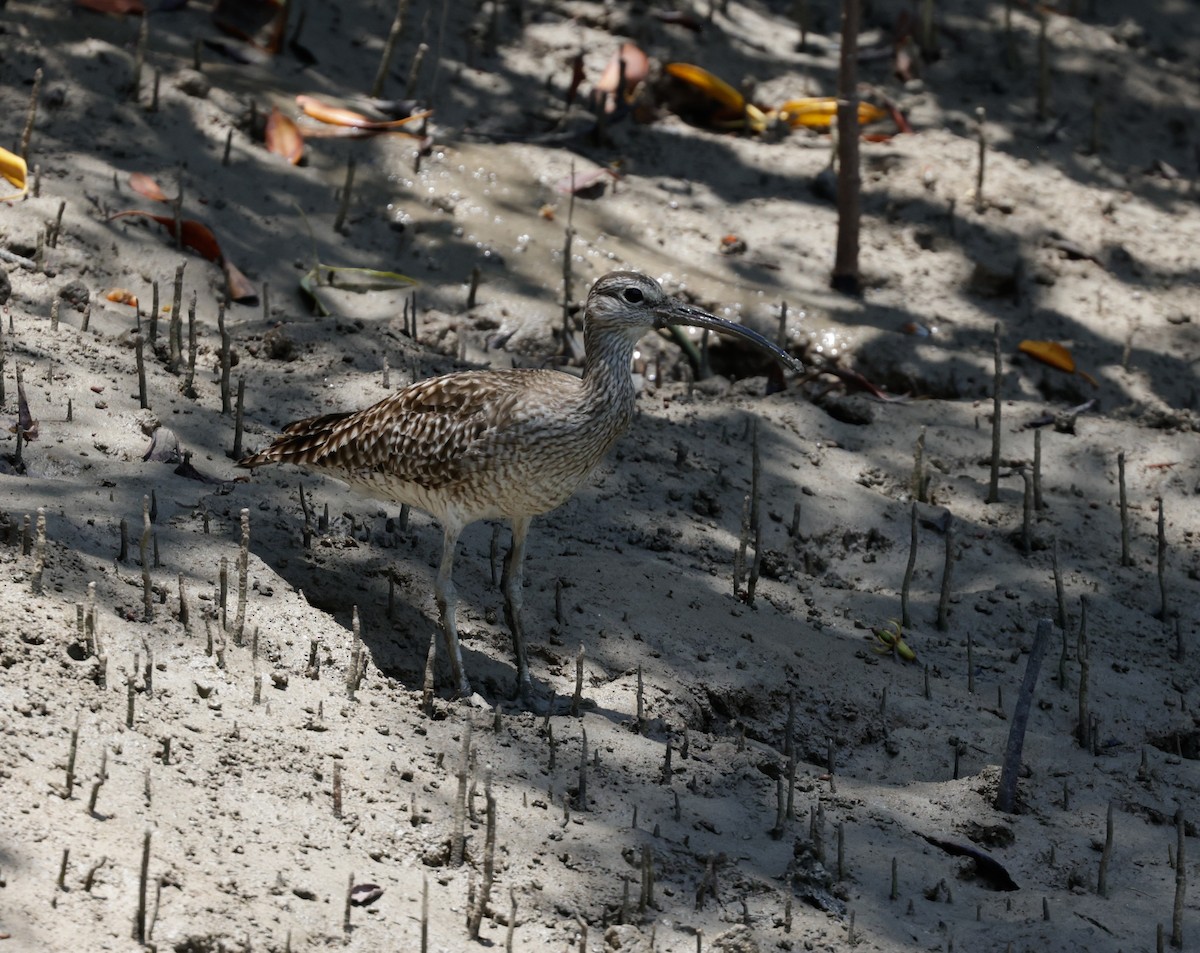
(469,697)
(475,700)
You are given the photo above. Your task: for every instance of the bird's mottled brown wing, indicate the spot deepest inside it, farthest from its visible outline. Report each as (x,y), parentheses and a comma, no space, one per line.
(431,433)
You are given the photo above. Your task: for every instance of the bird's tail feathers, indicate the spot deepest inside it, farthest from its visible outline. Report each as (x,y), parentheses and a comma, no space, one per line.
(302,442)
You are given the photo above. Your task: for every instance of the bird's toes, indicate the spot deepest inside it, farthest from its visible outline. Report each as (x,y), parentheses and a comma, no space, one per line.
(475,700)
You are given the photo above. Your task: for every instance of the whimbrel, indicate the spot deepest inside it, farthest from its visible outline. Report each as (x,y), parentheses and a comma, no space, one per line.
(509,444)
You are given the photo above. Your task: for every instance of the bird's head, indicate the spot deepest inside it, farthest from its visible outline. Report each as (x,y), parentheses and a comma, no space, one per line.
(630,302)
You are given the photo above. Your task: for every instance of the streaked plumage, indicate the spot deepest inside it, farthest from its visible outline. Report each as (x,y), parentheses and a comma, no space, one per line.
(490,444)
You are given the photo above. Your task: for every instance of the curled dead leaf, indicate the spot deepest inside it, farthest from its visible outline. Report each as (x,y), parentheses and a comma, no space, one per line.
(334,115)
(283,137)
(260,22)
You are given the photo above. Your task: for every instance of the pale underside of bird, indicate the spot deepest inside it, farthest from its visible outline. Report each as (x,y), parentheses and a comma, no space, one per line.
(509,444)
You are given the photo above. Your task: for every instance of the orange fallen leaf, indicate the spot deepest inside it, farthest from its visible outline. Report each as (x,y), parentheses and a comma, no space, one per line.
(283,137)
(334,115)
(196,235)
(712,86)
(1049,352)
(122,296)
(732,245)
(820,112)
(1054,354)
(145,185)
(337,116)
(199,238)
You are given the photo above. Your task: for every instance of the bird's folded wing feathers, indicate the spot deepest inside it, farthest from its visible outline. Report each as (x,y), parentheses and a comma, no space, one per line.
(431,433)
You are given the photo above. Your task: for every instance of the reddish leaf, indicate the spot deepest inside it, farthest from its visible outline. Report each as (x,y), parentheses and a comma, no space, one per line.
(144,185)
(283,137)
(119,7)
(199,238)
(902,124)
(196,235)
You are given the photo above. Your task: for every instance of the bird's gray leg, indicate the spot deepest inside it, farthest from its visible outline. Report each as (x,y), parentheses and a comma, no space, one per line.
(514,573)
(447,600)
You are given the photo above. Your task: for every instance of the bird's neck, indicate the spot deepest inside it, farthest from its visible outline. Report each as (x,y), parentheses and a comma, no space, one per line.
(607,377)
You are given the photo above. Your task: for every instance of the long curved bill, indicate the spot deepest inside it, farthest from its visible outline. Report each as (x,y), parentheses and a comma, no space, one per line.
(676,312)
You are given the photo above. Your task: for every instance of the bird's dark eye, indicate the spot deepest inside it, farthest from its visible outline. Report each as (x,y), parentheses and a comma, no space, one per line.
(633,295)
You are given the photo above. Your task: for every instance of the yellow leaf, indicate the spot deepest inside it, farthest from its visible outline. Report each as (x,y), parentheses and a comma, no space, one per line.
(13,168)
(712,86)
(1049,352)
(820,112)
